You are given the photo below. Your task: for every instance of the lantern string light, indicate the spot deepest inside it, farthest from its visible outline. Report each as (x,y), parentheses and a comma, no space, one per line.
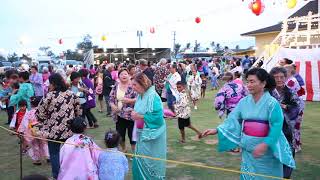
(152,30)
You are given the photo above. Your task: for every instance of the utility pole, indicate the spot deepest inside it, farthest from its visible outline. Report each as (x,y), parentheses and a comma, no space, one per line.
(139,34)
(174,39)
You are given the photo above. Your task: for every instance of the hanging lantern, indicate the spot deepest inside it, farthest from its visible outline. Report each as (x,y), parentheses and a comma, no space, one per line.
(152,30)
(291,3)
(257,7)
(60,41)
(198,20)
(104,38)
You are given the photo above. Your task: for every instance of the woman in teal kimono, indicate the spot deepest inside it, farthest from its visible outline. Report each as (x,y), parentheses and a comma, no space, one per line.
(25,91)
(151,131)
(259,135)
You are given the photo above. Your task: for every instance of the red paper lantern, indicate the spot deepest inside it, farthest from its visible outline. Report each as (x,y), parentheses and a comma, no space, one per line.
(257,7)
(60,41)
(198,20)
(152,30)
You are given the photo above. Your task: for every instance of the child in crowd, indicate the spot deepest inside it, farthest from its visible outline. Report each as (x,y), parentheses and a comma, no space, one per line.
(18,116)
(203,85)
(113,164)
(183,112)
(79,155)
(37,149)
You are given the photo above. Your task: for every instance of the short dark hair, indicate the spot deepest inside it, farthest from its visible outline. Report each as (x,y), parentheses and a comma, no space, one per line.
(22,103)
(263,75)
(121,70)
(34,67)
(237,74)
(180,83)
(288,61)
(131,66)
(77,125)
(24,75)
(58,82)
(35,100)
(84,72)
(15,85)
(238,63)
(112,139)
(74,75)
(35,177)
(277,70)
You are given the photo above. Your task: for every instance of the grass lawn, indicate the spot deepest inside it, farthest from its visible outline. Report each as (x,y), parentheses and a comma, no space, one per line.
(200,152)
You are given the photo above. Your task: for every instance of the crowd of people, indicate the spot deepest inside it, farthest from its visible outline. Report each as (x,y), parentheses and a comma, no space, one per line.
(57,105)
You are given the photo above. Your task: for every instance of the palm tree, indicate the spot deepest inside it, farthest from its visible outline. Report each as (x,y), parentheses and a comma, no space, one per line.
(218,46)
(213,45)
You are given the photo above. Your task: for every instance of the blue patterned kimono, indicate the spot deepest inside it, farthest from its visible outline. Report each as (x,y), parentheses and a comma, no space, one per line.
(151,140)
(230,134)
(25,92)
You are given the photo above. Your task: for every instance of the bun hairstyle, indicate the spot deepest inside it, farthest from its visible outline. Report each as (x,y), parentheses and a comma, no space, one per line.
(112,139)
(77,125)
(263,76)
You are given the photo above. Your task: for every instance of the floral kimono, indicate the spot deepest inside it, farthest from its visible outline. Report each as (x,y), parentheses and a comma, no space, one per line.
(261,123)
(37,149)
(295,87)
(151,140)
(79,162)
(228,97)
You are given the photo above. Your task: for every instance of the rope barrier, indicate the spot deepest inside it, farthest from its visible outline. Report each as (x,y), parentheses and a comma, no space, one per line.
(153,158)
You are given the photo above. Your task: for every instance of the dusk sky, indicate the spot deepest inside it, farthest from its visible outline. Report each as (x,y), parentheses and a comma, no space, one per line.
(43,22)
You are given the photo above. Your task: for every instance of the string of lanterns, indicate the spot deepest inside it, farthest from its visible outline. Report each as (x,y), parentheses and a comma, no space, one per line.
(256,6)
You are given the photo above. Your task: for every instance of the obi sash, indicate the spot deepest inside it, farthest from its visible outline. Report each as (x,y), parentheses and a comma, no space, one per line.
(257,128)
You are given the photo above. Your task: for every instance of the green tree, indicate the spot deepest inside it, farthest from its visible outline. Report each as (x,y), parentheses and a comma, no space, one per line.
(73,55)
(176,49)
(86,43)
(13,57)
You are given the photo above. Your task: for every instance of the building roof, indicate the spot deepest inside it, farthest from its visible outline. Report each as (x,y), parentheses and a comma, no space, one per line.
(310,6)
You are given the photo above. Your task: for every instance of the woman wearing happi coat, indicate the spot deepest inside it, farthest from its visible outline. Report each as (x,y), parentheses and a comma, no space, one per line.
(259,135)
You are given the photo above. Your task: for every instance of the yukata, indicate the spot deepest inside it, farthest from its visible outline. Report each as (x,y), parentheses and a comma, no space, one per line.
(25,92)
(295,87)
(214,74)
(261,123)
(79,162)
(171,89)
(113,165)
(37,149)
(37,83)
(291,113)
(159,78)
(17,119)
(228,97)
(151,140)
(194,84)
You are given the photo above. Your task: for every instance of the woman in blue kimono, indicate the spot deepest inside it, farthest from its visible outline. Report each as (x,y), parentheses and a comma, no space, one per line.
(151,131)
(264,146)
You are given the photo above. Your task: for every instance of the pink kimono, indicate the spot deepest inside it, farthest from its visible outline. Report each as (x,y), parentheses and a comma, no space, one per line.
(79,162)
(37,149)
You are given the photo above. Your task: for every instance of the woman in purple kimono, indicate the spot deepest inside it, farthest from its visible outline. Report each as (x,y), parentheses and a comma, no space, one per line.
(90,97)
(229,95)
